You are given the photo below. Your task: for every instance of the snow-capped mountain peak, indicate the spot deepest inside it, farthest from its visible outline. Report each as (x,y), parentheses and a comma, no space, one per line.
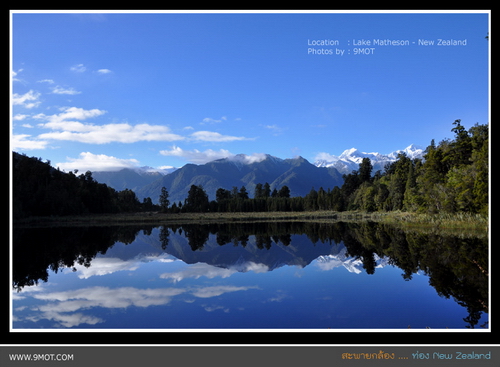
(353,152)
(350,159)
(146,170)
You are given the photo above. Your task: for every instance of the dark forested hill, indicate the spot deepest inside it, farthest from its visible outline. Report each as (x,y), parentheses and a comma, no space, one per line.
(38,189)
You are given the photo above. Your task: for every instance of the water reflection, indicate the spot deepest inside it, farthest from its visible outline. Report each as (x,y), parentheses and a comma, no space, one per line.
(457,267)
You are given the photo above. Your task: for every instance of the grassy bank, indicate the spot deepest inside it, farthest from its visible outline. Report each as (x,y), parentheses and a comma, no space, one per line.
(456,222)
(459,221)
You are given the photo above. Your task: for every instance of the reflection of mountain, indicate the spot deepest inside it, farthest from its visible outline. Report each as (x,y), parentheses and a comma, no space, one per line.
(301,252)
(352,264)
(264,251)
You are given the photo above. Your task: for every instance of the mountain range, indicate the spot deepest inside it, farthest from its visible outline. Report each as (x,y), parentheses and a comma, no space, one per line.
(127,178)
(297,173)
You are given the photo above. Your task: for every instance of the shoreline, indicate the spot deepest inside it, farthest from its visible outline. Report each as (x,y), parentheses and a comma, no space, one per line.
(446,221)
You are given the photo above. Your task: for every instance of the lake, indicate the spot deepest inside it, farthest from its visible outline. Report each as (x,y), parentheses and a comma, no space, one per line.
(263,275)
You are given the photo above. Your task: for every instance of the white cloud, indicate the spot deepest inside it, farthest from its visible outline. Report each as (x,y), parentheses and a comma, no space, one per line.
(275,129)
(19,117)
(49,81)
(110,133)
(27,100)
(198,157)
(100,134)
(14,75)
(97,162)
(209,120)
(326,157)
(24,142)
(68,113)
(195,156)
(104,71)
(167,168)
(61,90)
(79,68)
(248,159)
(214,137)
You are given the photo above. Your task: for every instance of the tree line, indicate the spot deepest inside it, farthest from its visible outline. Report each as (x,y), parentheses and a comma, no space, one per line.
(452,177)
(234,200)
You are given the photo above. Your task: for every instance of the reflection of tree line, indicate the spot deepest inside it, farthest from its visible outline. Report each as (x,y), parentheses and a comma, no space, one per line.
(265,233)
(457,267)
(37,250)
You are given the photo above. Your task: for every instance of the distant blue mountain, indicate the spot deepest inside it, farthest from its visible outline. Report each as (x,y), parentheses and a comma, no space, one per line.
(298,174)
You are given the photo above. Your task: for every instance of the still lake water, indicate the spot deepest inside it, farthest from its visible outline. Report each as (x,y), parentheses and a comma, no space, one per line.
(247,276)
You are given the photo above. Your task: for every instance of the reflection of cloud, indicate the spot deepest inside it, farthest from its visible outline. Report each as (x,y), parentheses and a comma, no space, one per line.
(65,307)
(215,308)
(251,266)
(109,265)
(201,269)
(26,292)
(69,320)
(280,295)
(215,291)
(198,270)
(104,266)
(107,297)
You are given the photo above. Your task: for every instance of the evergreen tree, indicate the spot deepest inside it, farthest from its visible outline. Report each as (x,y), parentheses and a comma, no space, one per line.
(164,202)
(197,200)
(259,191)
(266,190)
(243,194)
(365,170)
(284,192)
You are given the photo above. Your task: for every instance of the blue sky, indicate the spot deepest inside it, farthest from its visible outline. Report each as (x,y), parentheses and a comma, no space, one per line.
(105,91)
